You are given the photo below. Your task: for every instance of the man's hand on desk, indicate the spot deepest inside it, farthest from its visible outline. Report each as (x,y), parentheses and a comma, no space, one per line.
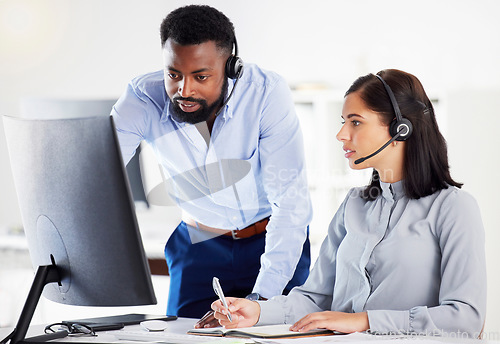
(208,320)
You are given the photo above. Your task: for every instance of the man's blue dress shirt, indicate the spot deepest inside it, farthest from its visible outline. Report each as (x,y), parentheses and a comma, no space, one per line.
(252,167)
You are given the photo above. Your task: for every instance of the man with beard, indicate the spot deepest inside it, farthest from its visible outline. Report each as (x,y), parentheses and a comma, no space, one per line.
(229,142)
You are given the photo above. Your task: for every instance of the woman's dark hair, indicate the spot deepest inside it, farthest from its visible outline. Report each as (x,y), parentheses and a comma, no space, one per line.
(426,168)
(196,24)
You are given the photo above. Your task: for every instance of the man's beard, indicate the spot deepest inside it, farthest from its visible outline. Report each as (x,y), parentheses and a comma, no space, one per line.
(200,115)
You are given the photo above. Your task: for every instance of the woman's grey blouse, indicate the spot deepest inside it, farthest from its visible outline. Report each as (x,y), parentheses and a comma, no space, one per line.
(415,265)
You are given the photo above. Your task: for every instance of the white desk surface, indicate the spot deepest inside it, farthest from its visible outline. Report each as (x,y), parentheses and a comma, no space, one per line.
(182,325)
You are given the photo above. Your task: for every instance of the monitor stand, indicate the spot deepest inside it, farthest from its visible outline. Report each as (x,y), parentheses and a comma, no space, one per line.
(45,274)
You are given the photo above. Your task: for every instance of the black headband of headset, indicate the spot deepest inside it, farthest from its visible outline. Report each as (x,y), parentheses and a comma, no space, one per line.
(395,105)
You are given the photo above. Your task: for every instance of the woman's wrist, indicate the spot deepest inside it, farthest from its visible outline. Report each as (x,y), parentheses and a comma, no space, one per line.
(363,322)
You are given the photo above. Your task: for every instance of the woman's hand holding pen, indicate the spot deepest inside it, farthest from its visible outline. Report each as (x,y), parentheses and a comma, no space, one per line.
(245,313)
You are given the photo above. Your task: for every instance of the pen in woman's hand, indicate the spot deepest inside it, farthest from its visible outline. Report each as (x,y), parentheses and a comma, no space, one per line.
(220,294)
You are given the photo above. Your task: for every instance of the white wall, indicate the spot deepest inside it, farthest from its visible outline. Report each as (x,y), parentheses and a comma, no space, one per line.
(473,144)
(91,48)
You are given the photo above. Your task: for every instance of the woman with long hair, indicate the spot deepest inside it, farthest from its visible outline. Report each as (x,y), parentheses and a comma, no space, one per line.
(404,254)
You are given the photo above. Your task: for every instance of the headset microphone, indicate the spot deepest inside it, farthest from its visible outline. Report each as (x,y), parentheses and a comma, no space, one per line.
(400,129)
(394,138)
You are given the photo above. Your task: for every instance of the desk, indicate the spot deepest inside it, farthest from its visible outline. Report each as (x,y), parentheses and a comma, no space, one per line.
(181,325)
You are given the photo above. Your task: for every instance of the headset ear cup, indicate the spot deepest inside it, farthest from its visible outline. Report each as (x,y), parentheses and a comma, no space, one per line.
(404,125)
(234,67)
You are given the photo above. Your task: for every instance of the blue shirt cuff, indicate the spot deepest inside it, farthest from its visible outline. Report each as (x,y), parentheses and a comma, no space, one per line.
(266,289)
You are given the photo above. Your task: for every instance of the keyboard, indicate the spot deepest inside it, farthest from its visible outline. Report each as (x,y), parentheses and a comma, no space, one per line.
(163,337)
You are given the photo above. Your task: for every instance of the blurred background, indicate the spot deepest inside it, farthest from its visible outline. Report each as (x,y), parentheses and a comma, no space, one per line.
(87,50)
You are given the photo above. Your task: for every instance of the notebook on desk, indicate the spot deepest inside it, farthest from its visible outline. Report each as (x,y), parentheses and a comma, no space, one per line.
(268,331)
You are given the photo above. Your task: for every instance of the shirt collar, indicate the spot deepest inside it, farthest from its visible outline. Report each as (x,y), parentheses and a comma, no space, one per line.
(227,111)
(392,190)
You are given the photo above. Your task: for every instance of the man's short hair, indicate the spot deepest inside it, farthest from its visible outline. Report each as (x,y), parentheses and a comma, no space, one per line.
(196,24)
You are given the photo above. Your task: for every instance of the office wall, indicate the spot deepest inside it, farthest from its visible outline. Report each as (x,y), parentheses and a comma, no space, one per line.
(473,144)
(91,48)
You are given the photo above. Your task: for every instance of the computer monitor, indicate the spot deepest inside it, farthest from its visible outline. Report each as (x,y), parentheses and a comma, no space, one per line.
(78,214)
(58,108)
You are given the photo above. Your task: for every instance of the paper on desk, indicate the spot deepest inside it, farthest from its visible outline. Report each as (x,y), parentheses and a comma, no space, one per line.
(353,338)
(231,341)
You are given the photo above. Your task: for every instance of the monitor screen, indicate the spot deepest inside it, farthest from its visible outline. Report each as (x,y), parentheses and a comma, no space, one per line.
(77,210)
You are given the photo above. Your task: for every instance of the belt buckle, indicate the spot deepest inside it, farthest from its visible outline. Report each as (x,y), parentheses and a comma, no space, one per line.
(233,234)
